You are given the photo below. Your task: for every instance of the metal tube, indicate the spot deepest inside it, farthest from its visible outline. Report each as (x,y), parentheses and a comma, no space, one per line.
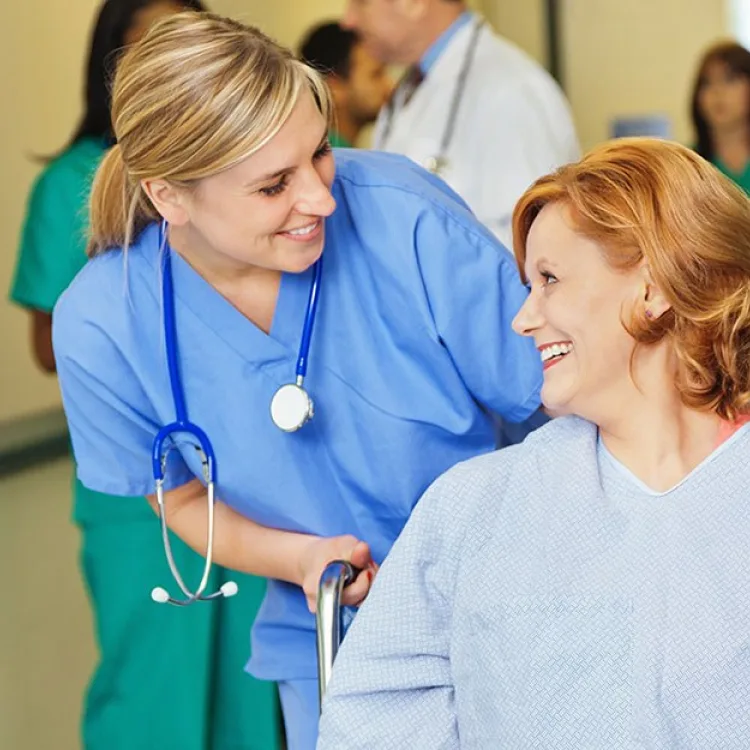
(334,579)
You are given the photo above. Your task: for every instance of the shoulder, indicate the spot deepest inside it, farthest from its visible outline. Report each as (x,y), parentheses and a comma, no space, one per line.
(108,292)
(515,71)
(73,168)
(477,489)
(390,174)
(384,186)
(61,189)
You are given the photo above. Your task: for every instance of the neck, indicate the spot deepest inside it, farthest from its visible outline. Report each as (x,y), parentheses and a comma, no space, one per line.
(253,290)
(433,26)
(732,139)
(653,433)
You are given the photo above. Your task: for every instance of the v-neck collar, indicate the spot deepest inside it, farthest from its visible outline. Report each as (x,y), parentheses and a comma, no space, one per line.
(227,322)
(623,470)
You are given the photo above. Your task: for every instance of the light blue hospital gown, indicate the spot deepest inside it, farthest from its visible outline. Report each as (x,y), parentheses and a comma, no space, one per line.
(411,353)
(542,597)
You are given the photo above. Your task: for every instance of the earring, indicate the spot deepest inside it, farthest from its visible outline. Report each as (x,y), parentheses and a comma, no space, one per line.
(649,315)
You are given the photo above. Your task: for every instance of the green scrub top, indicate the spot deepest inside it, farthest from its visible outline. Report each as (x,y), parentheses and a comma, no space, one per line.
(52,252)
(741,178)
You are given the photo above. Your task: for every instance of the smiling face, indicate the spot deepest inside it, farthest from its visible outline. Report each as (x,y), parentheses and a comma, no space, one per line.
(574,313)
(267,211)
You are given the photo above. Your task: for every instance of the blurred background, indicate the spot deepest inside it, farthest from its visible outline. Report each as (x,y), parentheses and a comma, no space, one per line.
(618,62)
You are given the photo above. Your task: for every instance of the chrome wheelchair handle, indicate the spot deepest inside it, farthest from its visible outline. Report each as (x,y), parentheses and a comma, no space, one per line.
(335,578)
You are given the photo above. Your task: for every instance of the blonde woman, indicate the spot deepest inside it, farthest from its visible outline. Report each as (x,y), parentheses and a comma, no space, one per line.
(217,203)
(589,588)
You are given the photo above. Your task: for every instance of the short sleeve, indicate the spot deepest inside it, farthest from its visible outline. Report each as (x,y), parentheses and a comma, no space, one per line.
(53,239)
(474,291)
(112,423)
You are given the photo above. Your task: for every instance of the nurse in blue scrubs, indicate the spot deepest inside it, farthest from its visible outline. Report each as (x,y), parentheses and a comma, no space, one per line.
(223,180)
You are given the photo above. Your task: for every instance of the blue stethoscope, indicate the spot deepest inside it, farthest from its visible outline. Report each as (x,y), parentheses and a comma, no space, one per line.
(291,408)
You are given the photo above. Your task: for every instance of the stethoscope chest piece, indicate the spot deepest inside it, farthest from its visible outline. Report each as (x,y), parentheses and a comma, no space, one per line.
(291,407)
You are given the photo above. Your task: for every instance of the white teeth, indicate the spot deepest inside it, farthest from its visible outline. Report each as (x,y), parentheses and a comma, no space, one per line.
(303,230)
(556,350)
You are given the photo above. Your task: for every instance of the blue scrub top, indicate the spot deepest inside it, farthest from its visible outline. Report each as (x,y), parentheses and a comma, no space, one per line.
(412,349)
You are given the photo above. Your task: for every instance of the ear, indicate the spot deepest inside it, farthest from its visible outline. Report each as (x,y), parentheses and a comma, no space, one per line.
(653,299)
(167,200)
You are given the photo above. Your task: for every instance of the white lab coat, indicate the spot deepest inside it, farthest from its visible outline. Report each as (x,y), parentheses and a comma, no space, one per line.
(513,125)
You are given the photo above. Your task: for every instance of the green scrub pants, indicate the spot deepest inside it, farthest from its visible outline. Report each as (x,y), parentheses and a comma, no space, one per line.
(169,678)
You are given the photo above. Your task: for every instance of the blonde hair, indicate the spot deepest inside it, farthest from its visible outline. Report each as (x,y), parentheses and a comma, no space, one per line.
(648,200)
(198,94)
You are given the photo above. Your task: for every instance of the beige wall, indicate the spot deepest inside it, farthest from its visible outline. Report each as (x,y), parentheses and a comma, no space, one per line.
(284,20)
(635,57)
(41,56)
(523,22)
(621,58)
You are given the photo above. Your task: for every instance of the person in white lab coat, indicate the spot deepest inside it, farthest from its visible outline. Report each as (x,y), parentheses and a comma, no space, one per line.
(472,106)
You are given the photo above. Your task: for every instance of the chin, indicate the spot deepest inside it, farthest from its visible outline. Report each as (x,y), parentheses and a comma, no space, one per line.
(556,403)
(299,260)
(301,263)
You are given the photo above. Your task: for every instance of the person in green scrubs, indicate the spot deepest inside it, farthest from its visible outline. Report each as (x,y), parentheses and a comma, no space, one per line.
(168,678)
(359,83)
(721,110)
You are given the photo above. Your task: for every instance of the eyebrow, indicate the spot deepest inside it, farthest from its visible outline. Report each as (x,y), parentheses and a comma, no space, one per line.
(285,170)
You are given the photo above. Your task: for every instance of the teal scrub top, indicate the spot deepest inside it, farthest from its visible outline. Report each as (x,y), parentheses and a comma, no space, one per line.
(740,178)
(52,251)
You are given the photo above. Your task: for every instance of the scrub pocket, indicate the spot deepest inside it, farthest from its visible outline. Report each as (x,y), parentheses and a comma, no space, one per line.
(551,672)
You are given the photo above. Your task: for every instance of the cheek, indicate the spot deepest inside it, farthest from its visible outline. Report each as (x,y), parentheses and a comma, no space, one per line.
(741,94)
(326,169)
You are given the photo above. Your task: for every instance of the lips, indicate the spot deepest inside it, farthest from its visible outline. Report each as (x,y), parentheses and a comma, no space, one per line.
(554,352)
(305,232)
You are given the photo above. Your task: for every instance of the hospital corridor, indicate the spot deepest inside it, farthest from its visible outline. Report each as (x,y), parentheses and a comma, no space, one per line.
(312,309)
(47,651)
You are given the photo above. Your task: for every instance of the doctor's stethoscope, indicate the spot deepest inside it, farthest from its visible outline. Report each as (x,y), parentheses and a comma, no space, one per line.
(438,163)
(291,409)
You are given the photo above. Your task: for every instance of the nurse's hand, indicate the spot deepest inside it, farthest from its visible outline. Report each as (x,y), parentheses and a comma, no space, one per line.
(323,550)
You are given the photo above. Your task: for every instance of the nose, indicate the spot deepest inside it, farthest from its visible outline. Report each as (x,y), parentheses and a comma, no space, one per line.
(315,197)
(348,20)
(529,318)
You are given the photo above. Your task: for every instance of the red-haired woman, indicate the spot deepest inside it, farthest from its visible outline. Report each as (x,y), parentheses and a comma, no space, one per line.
(589,588)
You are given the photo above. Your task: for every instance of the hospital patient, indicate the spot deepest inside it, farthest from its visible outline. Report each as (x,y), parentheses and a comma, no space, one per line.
(589,588)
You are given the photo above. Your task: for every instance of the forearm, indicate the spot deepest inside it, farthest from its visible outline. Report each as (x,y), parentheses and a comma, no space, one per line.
(239,543)
(41,340)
